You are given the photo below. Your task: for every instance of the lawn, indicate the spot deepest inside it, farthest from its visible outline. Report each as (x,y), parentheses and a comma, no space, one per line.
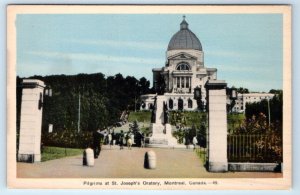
(191,118)
(50,153)
(142,116)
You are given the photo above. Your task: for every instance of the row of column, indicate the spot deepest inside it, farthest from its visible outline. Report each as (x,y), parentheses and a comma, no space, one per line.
(182,82)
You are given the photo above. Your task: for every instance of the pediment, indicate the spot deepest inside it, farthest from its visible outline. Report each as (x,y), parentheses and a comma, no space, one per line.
(182,56)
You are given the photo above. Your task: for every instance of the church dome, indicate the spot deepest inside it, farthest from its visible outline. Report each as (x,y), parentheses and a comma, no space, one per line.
(184,39)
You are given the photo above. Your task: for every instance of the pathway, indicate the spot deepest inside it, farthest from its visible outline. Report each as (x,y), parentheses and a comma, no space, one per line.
(115,163)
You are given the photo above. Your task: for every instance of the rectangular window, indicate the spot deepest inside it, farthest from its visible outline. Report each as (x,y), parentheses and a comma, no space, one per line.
(178,82)
(182,82)
(187,82)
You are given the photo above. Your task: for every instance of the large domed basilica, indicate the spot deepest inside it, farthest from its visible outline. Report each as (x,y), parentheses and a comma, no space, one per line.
(184,71)
(184,39)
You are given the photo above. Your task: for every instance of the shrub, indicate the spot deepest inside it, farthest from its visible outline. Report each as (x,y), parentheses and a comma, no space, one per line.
(268,139)
(68,138)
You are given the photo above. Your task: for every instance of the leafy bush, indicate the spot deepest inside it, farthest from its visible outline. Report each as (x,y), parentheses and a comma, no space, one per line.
(265,140)
(179,135)
(68,138)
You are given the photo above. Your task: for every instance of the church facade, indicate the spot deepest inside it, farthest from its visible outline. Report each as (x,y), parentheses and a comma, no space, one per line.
(184,71)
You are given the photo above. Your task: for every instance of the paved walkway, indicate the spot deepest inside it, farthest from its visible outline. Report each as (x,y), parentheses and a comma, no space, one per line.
(115,163)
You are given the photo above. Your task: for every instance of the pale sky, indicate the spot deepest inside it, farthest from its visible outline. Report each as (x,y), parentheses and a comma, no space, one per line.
(245,48)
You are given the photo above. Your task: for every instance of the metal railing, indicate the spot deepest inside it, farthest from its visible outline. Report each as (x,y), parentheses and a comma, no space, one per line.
(254,148)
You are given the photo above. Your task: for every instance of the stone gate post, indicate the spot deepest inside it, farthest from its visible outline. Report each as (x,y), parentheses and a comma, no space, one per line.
(217,126)
(31,121)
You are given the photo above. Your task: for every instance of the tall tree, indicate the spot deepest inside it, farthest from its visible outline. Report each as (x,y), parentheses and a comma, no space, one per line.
(102,99)
(275,107)
(144,86)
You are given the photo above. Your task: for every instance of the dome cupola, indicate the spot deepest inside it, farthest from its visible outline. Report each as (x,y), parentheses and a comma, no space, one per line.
(184,39)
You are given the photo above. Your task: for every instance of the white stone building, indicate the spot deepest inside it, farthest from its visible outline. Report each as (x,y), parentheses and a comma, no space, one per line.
(184,70)
(243,99)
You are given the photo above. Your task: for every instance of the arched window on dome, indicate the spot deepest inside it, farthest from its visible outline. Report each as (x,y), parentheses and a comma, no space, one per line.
(183,66)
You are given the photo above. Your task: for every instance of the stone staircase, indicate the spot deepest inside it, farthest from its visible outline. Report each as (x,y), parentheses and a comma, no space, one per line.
(161,141)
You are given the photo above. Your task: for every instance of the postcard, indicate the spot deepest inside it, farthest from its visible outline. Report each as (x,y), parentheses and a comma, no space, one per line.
(155,97)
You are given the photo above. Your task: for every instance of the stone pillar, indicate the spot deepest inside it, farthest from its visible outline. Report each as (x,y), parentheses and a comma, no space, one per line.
(31,121)
(174,83)
(180,79)
(217,126)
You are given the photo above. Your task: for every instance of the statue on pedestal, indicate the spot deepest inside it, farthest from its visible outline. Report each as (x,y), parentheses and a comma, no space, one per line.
(166,113)
(153,114)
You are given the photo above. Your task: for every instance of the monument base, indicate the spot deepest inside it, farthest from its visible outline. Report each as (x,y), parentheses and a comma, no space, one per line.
(161,136)
(217,166)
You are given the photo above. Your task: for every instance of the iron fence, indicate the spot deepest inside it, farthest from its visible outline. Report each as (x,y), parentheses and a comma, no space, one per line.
(254,148)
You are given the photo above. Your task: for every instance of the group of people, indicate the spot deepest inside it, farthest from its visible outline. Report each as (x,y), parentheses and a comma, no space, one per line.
(109,137)
(130,138)
(127,139)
